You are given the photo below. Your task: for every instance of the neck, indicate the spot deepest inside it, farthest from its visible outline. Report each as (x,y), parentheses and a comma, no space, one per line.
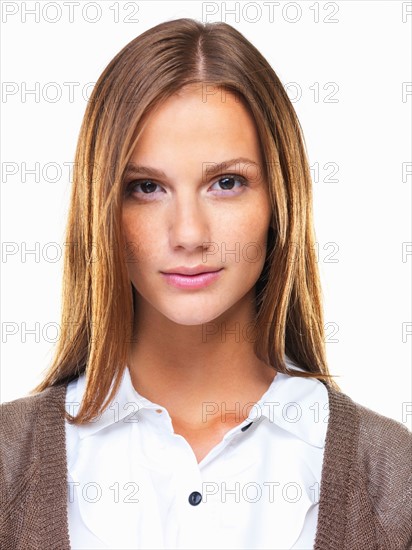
(201,369)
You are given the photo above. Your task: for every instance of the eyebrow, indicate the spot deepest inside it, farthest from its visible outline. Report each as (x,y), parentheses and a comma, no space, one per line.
(211,169)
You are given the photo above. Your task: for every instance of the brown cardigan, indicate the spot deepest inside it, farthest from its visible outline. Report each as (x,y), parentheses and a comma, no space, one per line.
(365,492)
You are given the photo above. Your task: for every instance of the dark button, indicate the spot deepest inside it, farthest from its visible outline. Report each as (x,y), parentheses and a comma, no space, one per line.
(195,498)
(246,427)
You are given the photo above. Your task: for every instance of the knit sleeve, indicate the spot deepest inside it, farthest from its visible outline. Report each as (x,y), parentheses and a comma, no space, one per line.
(17,462)
(385,459)
(33,488)
(17,438)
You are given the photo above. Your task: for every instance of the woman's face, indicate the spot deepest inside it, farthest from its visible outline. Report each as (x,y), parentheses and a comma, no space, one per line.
(188,216)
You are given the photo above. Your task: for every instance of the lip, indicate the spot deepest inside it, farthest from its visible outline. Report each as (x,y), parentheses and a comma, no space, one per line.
(183,270)
(199,280)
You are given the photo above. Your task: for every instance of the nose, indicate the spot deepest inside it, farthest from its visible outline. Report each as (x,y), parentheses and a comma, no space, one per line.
(188,225)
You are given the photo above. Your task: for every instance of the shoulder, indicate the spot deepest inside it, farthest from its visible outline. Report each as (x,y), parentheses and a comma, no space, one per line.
(20,413)
(380,439)
(23,422)
(378,452)
(381,434)
(385,452)
(376,434)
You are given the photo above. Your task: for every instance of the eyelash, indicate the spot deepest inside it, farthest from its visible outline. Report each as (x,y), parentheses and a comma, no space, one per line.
(134,183)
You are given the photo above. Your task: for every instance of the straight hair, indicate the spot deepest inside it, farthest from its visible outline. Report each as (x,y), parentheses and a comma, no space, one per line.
(97,295)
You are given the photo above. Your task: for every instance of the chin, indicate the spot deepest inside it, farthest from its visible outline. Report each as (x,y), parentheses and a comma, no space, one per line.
(191,320)
(193,317)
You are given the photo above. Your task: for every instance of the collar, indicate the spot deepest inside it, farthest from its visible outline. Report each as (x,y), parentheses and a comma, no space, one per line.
(127,402)
(297,405)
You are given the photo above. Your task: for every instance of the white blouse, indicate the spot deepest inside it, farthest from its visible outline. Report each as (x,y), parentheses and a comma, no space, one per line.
(134,483)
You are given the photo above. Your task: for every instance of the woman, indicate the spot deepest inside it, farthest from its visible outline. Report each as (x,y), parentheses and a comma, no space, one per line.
(189,404)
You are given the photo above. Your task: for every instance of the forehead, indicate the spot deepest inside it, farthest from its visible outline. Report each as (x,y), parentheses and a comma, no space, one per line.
(203,120)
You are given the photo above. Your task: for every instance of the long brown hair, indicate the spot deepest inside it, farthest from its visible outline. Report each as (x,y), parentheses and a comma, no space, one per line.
(97,297)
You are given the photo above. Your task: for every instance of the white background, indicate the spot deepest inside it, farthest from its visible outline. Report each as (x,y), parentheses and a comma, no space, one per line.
(361,61)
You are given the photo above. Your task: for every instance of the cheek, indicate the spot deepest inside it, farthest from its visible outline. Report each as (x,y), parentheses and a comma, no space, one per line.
(128,225)
(254,249)
(252,228)
(142,237)
(242,244)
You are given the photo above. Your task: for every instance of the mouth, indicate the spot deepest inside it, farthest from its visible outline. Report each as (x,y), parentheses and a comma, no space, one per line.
(192,281)
(196,270)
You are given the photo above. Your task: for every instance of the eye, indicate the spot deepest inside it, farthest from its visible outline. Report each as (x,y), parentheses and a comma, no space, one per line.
(146,187)
(227,182)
